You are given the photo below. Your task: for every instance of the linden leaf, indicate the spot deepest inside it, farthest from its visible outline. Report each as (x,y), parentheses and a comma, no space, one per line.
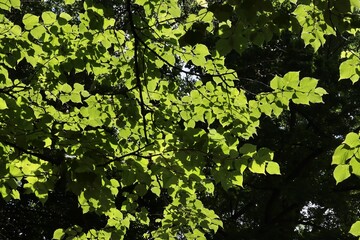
(48,17)
(202,3)
(69,2)
(355,229)
(65,16)
(66,88)
(348,69)
(5,4)
(355,3)
(15,4)
(3,104)
(38,31)
(58,234)
(238,180)
(156,191)
(16,30)
(273,168)
(340,155)
(352,140)
(30,21)
(341,173)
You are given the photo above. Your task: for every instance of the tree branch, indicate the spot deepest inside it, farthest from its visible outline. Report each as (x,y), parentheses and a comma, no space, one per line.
(137,71)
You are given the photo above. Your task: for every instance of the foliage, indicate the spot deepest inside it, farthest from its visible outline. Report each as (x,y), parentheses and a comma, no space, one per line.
(120,109)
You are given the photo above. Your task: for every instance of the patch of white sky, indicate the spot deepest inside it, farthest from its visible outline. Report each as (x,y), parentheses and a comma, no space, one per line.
(307,213)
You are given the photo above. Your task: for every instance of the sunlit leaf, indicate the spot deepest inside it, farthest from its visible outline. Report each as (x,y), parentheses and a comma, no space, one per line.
(273,168)
(355,229)
(341,173)
(352,140)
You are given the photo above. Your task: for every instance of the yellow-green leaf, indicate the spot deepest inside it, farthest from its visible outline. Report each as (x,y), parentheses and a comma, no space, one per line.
(352,140)
(48,17)
(355,229)
(58,234)
(15,4)
(273,168)
(341,173)
(38,31)
(5,4)
(30,21)
(3,104)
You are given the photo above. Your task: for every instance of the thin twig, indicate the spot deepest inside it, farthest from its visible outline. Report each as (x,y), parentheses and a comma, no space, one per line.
(137,71)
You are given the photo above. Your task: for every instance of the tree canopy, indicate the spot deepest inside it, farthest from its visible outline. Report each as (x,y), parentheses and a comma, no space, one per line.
(167,119)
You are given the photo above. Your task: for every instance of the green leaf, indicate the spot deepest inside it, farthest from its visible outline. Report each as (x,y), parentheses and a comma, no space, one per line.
(256,167)
(170,58)
(248,149)
(3,104)
(223,46)
(352,140)
(355,229)
(273,168)
(48,17)
(156,191)
(30,21)
(75,97)
(69,2)
(202,3)
(140,2)
(16,30)
(15,194)
(355,166)
(59,234)
(341,173)
(238,180)
(263,154)
(185,115)
(64,98)
(277,83)
(320,91)
(340,155)
(65,16)
(307,84)
(198,61)
(348,69)
(201,49)
(5,4)
(355,3)
(47,142)
(38,31)
(291,79)
(66,88)
(15,4)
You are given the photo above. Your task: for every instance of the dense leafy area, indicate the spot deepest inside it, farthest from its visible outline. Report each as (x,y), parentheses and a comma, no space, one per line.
(140,112)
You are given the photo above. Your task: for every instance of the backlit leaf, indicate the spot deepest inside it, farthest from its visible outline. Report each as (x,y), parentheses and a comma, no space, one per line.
(5,4)
(69,2)
(38,31)
(3,104)
(273,168)
(15,4)
(340,155)
(355,3)
(48,17)
(352,140)
(341,173)
(355,229)
(58,234)
(30,21)
(202,3)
